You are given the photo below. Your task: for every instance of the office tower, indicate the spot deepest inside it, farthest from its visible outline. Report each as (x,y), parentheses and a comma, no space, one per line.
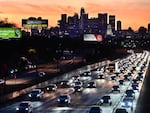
(119,25)
(82,11)
(112,21)
(83,21)
(63,21)
(149,28)
(103,21)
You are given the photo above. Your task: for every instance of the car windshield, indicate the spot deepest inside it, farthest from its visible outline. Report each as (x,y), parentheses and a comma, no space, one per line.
(24,104)
(35,91)
(129,91)
(128,99)
(95,108)
(106,97)
(51,86)
(63,96)
(77,83)
(115,87)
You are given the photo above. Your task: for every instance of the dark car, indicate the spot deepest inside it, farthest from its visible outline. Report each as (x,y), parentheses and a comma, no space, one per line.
(51,87)
(101,76)
(130,93)
(95,109)
(126,77)
(65,83)
(105,100)
(64,99)
(91,84)
(121,82)
(115,88)
(121,110)
(135,86)
(24,107)
(78,88)
(136,81)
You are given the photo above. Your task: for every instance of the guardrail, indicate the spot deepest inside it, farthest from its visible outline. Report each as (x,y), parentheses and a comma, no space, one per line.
(16,94)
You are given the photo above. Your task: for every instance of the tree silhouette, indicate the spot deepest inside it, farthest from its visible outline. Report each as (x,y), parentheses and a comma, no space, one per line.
(6,24)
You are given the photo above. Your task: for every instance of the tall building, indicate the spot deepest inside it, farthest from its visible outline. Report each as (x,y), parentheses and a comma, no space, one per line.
(119,27)
(82,11)
(103,21)
(149,28)
(63,21)
(112,21)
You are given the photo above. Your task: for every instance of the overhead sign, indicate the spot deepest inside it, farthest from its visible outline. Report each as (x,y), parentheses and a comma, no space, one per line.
(26,23)
(93,37)
(7,33)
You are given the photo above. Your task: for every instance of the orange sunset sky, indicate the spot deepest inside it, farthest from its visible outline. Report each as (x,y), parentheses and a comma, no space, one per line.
(132,13)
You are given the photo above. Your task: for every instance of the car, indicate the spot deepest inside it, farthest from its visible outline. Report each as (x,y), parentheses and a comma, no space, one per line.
(88,73)
(136,81)
(106,99)
(127,102)
(135,86)
(115,88)
(121,82)
(101,76)
(78,83)
(113,77)
(36,94)
(41,74)
(51,87)
(91,84)
(130,93)
(95,109)
(121,110)
(139,78)
(78,88)
(126,77)
(76,78)
(65,83)
(24,107)
(64,99)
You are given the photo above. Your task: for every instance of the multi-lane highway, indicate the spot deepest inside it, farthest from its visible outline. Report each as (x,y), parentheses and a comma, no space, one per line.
(82,101)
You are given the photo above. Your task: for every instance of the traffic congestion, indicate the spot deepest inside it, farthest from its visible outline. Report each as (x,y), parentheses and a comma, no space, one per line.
(112,88)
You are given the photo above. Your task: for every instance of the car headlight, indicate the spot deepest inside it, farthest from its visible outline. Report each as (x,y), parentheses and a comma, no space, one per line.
(132,94)
(122,103)
(47,88)
(78,89)
(66,100)
(53,88)
(17,109)
(58,99)
(130,103)
(29,95)
(38,95)
(102,100)
(27,109)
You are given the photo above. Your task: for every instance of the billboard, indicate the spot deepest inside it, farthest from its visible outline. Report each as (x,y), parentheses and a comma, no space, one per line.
(7,33)
(26,23)
(93,37)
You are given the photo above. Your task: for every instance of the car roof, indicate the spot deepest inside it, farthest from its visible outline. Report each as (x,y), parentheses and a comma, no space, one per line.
(29,102)
(36,90)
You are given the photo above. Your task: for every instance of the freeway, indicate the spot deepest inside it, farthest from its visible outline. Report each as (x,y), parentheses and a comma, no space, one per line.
(83,101)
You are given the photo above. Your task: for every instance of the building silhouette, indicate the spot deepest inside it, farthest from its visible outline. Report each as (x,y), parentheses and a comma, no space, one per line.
(112,22)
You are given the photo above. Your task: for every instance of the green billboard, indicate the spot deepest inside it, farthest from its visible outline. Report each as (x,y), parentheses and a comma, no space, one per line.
(8,33)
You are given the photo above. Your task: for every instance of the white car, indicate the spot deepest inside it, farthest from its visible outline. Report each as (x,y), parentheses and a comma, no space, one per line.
(25,107)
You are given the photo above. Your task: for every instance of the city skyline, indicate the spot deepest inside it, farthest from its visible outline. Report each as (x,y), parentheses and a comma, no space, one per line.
(132,13)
